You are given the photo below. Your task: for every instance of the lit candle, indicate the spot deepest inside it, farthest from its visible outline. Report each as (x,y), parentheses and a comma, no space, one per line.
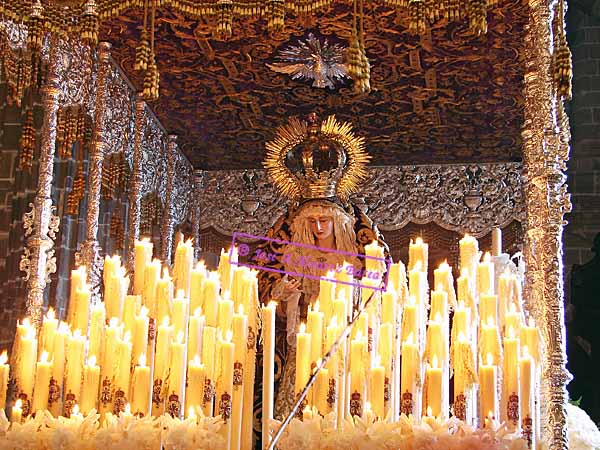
(184,262)
(374,255)
(510,376)
(469,254)
(488,396)
(209,342)
(513,319)
(210,295)
(164,294)
(49,327)
(123,375)
(177,373)
(224,386)
(531,338)
(268,335)
(303,354)
(198,276)
(81,319)
(4,374)
(377,388)
(490,342)
(195,385)
(43,373)
(161,364)
(465,291)
(131,307)
(114,293)
(461,323)
(418,255)
(58,369)
(314,325)
(225,314)
(91,383)
(195,332)
(433,394)
(151,277)
(140,334)
(409,375)
(388,306)
(333,363)
(321,387)
(180,313)
(340,311)
(225,267)
(488,307)
(74,369)
(439,304)
(26,363)
(357,374)
(240,337)
(143,257)
(444,281)
(417,283)
(327,294)
(17,412)
(111,352)
(465,378)
(527,399)
(410,319)
(397,279)
(485,276)
(97,324)
(78,279)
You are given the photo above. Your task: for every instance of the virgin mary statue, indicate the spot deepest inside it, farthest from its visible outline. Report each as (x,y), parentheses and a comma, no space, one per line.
(317,167)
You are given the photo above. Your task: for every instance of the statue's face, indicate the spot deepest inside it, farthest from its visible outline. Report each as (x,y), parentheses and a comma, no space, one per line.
(321,226)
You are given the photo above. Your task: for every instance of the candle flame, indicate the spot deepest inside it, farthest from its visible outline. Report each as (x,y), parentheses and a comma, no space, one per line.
(75,410)
(77,334)
(127,408)
(180,294)
(419,241)
(127,337)
(461,336)
(113,322)
(165,321)
(241,309)
(358,336)
(525,351)
(377,361)
(44,357)
(464,272)
(490,415)
(191,413)
(302,328)
(513,308)
(179,339)
(142,360)
(50,315)
(410,339)
(490,321)
(272,305)
(487,257)
(429,411)
(3,357)
(418,267)
(434,362)
(316,309)
(26,322)
(440,287)
(196,360)
(227,295)
(412,300)
(461,304)
(144,311)
(92,361)
(333,322)
(201,265)
(198,312)
(511,332)
(63,328)
(228,336)
(367,407)
(438,317)
(19,403)
(490,359)
(531,322)
(166,275)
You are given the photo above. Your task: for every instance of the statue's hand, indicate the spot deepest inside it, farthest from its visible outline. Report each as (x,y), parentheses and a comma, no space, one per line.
(291,286)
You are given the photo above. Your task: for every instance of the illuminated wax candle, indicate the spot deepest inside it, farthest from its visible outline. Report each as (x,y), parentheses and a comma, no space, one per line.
(124,364)
(321,387)
(268,336)
(91,384)
(469,255)
(344,282)
(314,325)
(358,347)
(177,371)
(184,262)
(327,294)
(78,279)
(131,307)
(26,362)
(224,386)
(418,255)
(377,380)
(527,390)
(444,281)
(388,306)
(439,305)
(58,368)
(225,268)
(490,342)
(43,373)
(464,374)
(210,296)
(162,360)
(225,307)
(49,326)
(496,241)
(417,284)
(465,294)
(16,415)
(164,294)
(180,313)
(510,376)
(485,276)
(488,395)
(530,337)
(238,285)
(197,278)
(111,350)
(433,381)
(114,293)
(397,279)
(461,323)
(488,307)
(436,342)
(110,268)
(303,354)
(374,255)
(409,375)
(410,319)
(195,386)
(513,319)
(140,334)
(4,374)
(97,324)
(142,257)
(209,342)
(195,332)
(240,337)
(149,297)
(140,388)
(74,369)
(340,310)
(81,319)
(333,363)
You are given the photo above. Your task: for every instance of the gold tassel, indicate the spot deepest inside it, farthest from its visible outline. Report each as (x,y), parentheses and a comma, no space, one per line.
(477,16)
(35,28)
(27,142)
(276,10)
(562,64)
(416,13)
(151,80)
(89,24)
(142,51)
(224,19)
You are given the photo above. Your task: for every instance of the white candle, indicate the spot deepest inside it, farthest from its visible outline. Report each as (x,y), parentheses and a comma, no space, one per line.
(198,276)
(74,369)
(177,373)
(224,385)
(180,313)
(140,339)
(142,257)
(510,376)
(4,374)
(140,388)
(433,395)
(91,383)
(268,335)
(485,276)
(195,332)
(527,399)
(410,373)
(49,327)
(151,277)
(488,395)
(195,385)
(43,373)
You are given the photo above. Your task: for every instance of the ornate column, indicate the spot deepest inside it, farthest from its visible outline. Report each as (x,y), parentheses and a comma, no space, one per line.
(167,224)
(195,205)
(545,150)
(90,249)
(135,185)
(40,224)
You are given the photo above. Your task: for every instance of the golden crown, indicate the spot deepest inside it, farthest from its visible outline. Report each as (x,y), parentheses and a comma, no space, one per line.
(308,159)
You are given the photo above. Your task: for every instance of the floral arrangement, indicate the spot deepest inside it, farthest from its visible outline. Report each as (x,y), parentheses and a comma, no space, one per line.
(583,433)
(116,433)
(319,433)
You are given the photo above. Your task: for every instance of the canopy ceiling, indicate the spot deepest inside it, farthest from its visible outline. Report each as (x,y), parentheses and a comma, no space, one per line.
(444,97)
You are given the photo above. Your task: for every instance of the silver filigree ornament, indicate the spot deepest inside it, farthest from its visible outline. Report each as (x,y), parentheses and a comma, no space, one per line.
(25,263)
(313,60)
(28,219)
(54,224)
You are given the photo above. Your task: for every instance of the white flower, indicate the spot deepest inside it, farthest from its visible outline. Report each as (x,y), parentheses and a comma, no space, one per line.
(583,434)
